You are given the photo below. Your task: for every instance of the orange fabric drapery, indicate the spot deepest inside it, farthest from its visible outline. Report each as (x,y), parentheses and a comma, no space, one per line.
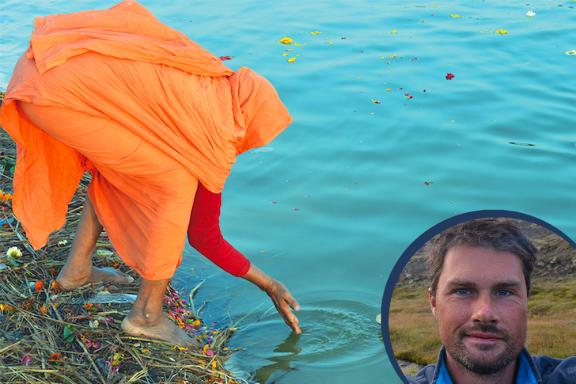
(147,110)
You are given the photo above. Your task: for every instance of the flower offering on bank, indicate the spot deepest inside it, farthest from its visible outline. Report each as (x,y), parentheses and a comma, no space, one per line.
(14,252)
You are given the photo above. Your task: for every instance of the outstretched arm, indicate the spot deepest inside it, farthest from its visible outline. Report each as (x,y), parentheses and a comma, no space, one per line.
(205,236)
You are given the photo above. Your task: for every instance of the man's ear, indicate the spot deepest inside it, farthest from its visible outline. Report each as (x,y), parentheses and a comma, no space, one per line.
(432,301)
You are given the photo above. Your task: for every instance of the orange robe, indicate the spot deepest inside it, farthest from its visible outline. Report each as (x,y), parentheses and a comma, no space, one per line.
(149,112)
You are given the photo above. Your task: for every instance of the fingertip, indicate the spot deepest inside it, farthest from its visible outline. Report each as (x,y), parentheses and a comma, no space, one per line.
(294,304)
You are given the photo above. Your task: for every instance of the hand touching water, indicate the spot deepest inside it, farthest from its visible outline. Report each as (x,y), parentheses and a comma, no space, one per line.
(278,293)
(284,303)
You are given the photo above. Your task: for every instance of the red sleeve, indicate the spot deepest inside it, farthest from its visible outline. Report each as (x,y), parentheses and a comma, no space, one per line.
(205,236)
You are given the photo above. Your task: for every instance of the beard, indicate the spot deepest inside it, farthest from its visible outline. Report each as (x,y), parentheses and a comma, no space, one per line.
(484,365)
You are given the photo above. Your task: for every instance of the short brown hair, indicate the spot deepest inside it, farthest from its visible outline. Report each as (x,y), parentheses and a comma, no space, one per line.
(485,233)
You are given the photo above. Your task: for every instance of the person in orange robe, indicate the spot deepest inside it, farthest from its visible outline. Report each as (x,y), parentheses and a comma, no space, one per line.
(152,115)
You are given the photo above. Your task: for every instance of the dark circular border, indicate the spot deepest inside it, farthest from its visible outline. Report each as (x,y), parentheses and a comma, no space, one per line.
(419,243)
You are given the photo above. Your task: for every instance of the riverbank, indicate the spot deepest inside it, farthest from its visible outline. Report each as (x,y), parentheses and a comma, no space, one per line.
(51,336)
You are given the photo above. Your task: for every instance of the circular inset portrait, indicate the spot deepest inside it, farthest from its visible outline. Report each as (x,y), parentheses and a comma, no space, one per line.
(484,297)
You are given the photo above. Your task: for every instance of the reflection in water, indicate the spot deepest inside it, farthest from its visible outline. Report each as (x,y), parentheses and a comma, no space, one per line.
(289,349)
(337,334)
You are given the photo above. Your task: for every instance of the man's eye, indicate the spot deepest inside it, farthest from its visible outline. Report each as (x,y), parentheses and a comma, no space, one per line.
(461,292)
(503,292)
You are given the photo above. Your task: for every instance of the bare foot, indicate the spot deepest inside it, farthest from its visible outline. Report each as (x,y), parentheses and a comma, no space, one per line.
(70,279)
(162,329)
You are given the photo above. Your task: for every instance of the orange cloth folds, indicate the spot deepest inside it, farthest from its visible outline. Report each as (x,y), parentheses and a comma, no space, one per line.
(126,31)
(150,112)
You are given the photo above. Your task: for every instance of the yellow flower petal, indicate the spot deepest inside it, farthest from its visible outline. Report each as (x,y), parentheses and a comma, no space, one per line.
(286,40)
(455,16)
(502,31)
(315,33)
(292,59)
(14,252)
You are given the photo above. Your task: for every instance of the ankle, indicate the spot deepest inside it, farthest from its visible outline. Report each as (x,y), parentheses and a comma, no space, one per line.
(144,317)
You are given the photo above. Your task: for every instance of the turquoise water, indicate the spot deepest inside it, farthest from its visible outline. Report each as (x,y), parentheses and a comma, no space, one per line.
(331,204)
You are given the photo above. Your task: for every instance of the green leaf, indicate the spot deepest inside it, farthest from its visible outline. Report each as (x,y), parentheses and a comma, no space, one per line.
(68,333)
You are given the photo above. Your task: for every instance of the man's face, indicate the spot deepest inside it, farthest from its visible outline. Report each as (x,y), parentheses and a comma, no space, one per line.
(481,305)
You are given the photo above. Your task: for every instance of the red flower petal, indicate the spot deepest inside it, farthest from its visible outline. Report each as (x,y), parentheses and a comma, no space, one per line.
(26,359)
(38,285)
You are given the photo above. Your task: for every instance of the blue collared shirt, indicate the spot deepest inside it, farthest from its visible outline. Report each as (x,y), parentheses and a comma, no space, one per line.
(531,370)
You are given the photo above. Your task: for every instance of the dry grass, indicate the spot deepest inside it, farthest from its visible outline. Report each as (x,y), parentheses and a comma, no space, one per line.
(50,336)
(413,331)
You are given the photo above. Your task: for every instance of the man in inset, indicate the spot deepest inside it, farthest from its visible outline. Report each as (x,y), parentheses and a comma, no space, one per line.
(480,281)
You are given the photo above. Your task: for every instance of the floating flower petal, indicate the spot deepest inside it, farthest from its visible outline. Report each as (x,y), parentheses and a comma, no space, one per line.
(286,40)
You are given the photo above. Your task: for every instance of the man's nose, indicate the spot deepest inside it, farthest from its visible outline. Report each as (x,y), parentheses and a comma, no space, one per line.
(484,310)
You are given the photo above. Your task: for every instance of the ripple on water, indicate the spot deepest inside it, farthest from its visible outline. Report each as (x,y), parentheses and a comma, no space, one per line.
(337,334)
